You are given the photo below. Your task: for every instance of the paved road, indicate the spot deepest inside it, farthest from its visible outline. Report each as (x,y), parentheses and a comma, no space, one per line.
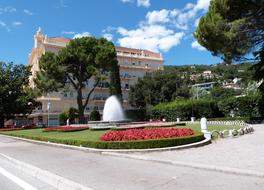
(7,184)
(99,171)
(11,178)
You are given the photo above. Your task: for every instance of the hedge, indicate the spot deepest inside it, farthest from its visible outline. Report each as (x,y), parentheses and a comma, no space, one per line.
(139,144)
(185,109)
(136,114)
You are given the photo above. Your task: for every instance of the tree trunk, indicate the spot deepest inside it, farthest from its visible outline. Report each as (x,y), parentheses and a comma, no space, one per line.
(80,106)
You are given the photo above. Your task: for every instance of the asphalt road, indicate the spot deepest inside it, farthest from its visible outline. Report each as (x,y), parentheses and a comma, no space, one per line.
(104,172)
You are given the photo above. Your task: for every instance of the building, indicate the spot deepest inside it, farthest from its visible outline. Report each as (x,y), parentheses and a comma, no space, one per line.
(134,64)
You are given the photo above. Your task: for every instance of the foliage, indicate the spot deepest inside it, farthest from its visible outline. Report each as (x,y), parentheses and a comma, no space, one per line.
(83,60)
(95,116)
(185,109)
(219,93)
(15,96)
(70,114)
(232,28)
(246,106)
(63,118)
(136,114)
(156,87)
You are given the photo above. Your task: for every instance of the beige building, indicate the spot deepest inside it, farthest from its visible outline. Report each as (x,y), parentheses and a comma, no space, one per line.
(134,64)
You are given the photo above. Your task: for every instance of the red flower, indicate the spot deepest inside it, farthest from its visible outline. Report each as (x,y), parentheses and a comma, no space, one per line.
(142,134)
(65,128)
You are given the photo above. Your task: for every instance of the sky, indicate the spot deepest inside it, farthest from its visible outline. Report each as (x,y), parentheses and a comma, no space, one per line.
(164,26)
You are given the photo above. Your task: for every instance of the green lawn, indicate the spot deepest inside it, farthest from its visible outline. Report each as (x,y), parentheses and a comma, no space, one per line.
(91,135)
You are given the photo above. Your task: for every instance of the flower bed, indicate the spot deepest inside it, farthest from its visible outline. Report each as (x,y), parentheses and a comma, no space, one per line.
(145,134)
(64,129)
(9,129)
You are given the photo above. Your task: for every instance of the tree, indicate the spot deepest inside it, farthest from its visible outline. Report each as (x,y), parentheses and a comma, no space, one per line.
(232,28)
(156,87)
(15,96)
(84,61)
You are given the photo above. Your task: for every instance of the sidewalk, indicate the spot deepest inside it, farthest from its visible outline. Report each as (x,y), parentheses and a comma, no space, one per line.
(244,152)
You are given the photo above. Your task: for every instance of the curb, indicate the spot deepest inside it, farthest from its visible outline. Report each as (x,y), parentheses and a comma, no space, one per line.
(204,142)
(50,178)
(229,170)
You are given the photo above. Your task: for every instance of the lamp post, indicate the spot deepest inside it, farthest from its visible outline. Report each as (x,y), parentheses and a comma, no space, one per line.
(48,108)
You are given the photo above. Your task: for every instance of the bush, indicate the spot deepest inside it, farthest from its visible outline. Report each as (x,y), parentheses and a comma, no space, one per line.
(71,114)
(95,116)
(138,144)
(185,109)
(247,106)
(136,114)
(63,118)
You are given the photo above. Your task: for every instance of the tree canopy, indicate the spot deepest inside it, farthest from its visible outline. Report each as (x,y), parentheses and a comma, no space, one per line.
(15,96)
(232,28)
(160,86)
(84,62)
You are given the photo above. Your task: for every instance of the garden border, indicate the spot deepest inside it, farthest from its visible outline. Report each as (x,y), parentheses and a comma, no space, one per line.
(204,142)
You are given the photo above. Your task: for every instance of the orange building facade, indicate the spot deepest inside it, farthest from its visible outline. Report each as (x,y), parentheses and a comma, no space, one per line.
(134,64)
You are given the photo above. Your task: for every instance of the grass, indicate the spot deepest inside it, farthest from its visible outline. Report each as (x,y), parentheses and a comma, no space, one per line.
(91,135)
(197,127)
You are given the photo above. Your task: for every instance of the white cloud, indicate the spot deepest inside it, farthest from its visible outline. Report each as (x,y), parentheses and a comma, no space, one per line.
(68,32)
(196,22)
(3,24)
(26,11)
(83,34)
(108,36)
(151,37)
(7,10)
(162,29)
(144,3)
(197,46)
(16,23)
(189,12)
(127,1)
(161,16)
(203,4)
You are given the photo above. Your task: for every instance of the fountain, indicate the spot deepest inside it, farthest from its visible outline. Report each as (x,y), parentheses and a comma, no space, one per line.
(113,110)
(113,115)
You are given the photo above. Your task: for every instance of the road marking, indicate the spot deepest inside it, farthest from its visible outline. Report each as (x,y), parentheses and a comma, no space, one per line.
(17,180)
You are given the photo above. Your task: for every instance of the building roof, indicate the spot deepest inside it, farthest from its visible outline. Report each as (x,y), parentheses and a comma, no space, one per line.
(59,39)
(134,50)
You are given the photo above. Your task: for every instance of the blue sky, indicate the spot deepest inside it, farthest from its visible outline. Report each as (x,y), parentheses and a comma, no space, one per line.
(165,26)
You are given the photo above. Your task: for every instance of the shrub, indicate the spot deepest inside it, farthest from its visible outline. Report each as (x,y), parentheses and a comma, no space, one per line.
(184,109)
(63,118)
(95,116)
(136,114)
(71,114)
(247,106)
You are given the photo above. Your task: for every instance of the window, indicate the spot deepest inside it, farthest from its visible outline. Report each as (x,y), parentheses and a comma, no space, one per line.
(126,86)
